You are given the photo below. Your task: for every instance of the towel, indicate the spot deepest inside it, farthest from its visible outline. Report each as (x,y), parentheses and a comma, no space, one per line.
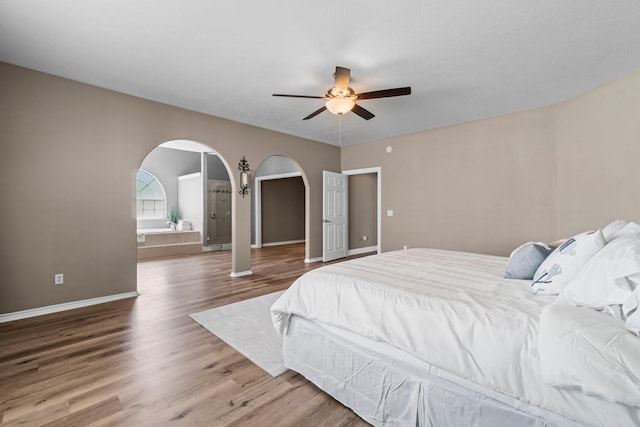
(184,225)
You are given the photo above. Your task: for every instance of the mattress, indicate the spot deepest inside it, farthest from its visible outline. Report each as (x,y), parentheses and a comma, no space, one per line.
(453,311)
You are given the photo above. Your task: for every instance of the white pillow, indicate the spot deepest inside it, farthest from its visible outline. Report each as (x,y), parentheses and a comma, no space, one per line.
(633,323)
(633,300)
(525,260)
(603,279)
(565,262)
(613,228)
(630,229)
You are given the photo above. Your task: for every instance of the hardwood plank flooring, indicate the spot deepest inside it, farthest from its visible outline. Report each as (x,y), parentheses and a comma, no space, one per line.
(144,362)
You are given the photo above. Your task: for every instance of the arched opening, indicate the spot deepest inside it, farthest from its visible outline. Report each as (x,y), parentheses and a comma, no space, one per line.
(279,206)
(183,201)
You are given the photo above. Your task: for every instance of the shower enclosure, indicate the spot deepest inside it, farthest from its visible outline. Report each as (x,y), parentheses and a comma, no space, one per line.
(218,213)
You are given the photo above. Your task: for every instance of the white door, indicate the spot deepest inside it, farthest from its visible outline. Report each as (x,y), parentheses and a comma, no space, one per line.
(335,215)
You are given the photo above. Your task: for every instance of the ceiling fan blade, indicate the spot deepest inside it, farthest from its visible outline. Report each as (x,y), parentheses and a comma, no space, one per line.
(385,93)
(298,96)
(342,76)
(365,114)
(315,113)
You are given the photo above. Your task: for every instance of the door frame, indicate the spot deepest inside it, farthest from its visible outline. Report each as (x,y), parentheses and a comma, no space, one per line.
(378,171)
(257,191)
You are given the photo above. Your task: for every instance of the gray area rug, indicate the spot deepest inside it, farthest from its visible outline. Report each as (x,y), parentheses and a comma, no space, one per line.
(246,326)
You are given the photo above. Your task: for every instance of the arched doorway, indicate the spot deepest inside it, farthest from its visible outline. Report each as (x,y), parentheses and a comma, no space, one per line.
(279,204)
(194,179)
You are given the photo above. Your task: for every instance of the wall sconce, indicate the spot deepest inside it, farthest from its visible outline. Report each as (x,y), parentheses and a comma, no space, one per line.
(243,167)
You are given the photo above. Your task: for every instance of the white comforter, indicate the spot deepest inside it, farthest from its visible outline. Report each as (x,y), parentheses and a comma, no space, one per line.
(592,351)
(452,310)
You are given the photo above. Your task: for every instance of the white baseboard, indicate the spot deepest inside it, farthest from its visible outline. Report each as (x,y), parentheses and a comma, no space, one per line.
(40,311)
(287,242)
(241,273)
(362,250)
(310,260)
(254,246)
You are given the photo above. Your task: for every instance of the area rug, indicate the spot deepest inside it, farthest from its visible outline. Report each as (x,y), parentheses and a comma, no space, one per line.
(246,326)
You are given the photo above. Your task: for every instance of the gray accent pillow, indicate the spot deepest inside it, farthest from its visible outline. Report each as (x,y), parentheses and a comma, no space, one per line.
(525,260)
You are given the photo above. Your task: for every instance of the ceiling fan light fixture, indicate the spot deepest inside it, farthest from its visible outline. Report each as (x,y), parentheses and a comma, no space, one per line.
(340,105)
(341,98)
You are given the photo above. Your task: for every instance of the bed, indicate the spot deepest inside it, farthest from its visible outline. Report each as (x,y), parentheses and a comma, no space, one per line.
(440,338)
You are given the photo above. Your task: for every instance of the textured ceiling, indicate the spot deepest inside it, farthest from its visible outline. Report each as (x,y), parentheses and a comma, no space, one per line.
(464,60)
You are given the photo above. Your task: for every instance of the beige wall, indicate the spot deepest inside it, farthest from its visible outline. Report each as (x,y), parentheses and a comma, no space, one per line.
(480,187)
(485,186)
(68,157)
(363,210)
(490,185)
(598,152)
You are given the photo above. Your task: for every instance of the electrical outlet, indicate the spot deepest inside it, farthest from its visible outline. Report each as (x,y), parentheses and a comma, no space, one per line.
(58,279)
(364,238)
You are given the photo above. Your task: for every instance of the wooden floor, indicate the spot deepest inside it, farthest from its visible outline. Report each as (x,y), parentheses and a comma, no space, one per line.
(144,362)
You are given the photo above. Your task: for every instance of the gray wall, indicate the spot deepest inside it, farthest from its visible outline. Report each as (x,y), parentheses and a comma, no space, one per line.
(282,210)
(363,210)
(167,164)
(490,185)
(69,153)
(215,168)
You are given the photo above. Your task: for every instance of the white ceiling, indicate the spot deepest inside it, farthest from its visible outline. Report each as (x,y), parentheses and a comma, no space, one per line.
(464,60)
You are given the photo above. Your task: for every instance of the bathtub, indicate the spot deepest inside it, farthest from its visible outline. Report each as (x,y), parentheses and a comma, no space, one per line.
(164,242)
(154,230)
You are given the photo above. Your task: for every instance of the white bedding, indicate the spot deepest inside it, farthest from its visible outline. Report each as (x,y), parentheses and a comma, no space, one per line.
(388,387)
(490,324)
(591,351)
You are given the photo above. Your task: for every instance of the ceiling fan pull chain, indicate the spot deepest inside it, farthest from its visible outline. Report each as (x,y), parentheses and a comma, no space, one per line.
(339,129)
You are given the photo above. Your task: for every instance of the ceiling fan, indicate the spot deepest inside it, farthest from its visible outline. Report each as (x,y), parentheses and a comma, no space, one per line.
(341,98)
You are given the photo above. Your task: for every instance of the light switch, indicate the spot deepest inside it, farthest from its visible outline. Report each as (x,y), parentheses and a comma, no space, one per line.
(390,212)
